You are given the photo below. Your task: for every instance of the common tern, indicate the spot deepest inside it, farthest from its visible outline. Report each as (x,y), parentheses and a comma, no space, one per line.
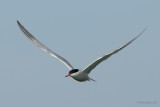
(79,75)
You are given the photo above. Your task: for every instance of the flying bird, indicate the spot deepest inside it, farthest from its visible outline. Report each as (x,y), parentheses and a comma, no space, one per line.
(79,75)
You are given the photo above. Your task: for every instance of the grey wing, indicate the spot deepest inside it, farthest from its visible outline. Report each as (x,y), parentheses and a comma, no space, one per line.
(90,67)
(43,47)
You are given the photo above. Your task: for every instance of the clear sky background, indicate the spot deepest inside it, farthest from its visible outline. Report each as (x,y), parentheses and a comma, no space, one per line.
(80,31)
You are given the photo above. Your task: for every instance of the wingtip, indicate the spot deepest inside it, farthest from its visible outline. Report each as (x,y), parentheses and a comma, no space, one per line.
(145,29)
(18,22)
(141,32)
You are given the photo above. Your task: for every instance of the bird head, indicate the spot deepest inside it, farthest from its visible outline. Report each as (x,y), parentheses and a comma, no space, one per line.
(71,72)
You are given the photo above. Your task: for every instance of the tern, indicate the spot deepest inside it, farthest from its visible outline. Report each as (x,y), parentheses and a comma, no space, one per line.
(79,75)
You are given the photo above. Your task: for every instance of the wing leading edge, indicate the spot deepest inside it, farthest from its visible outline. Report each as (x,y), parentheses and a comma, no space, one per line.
(43,47)
(91,66)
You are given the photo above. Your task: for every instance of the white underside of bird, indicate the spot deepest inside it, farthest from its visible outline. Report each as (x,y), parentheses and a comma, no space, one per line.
(79,75)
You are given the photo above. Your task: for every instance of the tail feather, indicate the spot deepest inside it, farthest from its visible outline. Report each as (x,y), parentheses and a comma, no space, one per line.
(92,79)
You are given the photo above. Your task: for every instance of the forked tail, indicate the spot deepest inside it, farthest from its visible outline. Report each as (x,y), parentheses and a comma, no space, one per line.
(92,79)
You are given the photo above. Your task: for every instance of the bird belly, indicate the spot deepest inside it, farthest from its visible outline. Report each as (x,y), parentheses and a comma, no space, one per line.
(80,77)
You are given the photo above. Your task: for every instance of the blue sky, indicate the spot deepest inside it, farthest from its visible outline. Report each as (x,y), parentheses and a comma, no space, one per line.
(80,31)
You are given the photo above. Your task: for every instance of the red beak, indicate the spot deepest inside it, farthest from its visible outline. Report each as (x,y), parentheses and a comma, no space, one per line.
(68,75)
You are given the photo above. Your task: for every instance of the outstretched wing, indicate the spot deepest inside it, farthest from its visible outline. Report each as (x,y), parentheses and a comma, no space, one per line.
(90,67)
(43,47)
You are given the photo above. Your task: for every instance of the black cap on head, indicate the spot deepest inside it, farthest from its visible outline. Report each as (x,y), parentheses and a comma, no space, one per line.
(73,71)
